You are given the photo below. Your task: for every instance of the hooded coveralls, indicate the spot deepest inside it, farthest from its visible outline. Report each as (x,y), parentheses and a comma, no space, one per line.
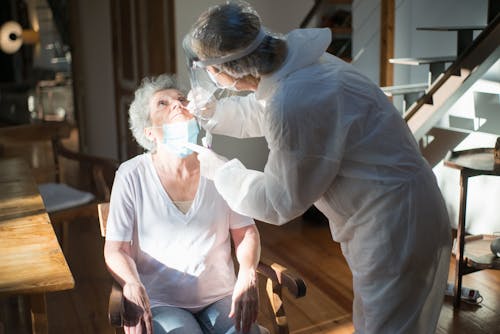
(337,142)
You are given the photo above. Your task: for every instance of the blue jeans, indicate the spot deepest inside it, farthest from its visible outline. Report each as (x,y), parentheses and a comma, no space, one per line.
(211,320)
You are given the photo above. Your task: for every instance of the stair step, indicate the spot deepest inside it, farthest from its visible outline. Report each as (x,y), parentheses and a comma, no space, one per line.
(422,60)
(404,89)
(453,28)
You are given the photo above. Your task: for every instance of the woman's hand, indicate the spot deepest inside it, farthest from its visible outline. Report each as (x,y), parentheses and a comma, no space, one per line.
(245,303)
(138,317)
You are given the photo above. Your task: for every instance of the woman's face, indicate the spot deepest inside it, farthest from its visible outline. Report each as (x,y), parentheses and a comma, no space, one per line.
(166,107)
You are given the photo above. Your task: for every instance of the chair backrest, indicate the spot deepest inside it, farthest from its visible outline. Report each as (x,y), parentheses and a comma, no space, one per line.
(94,174)
(35,143)
(103,210)
(41,145)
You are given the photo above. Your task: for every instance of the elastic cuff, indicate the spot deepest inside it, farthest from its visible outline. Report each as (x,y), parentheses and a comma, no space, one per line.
(210,124)
(221,174)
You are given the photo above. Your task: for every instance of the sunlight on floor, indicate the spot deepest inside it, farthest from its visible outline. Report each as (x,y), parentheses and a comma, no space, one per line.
(341,325)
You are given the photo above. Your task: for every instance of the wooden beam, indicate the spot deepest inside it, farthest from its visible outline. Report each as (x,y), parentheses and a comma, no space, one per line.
(387,15)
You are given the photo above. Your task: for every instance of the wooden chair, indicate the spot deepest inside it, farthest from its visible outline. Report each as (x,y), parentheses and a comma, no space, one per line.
(34,143)
(70,182)
(276,276)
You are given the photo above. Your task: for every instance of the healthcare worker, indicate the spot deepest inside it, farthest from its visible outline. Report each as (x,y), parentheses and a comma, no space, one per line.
(335,141)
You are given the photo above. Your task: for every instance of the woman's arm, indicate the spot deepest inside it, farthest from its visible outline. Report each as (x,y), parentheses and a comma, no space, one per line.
(117,255)
(247,246)
(245,304)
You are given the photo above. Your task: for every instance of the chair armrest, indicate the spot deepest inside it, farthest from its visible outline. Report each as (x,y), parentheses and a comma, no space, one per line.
(277,278)
(282,276)
(116,307)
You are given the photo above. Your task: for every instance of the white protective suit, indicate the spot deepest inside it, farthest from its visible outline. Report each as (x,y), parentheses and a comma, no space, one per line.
(337,142)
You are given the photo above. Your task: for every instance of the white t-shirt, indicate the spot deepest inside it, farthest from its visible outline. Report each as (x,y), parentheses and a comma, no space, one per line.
(183,260)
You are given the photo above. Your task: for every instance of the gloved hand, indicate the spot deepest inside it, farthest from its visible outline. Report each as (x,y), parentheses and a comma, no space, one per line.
(210,161)
(201,103)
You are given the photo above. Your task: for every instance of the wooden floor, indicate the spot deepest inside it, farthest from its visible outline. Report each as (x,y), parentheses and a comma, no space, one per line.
(303,246)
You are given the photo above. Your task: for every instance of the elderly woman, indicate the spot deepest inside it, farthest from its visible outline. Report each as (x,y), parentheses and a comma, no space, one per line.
(168,234)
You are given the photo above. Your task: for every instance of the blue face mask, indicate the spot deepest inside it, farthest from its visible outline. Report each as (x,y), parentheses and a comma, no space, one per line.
(175,135)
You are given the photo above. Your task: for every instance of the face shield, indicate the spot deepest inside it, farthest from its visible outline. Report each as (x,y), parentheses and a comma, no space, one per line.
(197,68)
(205,85)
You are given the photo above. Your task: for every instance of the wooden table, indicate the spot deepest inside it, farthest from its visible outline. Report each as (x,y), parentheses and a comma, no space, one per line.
(31,260)
(470,163)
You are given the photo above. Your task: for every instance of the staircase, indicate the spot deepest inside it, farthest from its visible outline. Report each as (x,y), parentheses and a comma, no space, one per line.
(469,67)
(432,121)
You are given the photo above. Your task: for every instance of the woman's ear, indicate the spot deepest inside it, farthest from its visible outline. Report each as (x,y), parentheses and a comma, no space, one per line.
(148,132)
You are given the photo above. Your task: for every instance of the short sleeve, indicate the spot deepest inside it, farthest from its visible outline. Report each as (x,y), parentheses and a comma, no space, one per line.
(121,218)
(238,221)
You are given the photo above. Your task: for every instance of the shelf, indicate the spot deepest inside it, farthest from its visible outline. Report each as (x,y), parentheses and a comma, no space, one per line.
(339,2)
(478,255)
(422,60)
(405,89)
(452,28)
(341,30)
(464,34)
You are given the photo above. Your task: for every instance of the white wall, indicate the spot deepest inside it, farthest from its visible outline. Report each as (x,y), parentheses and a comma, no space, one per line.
(96,96)
(278,16)
(366,37)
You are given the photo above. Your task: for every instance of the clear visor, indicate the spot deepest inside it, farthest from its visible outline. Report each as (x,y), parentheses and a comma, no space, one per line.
(198,74)
(199,78)
(201,82)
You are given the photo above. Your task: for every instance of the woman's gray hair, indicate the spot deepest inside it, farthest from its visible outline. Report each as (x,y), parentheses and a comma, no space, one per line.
(138,112)
(228,28)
